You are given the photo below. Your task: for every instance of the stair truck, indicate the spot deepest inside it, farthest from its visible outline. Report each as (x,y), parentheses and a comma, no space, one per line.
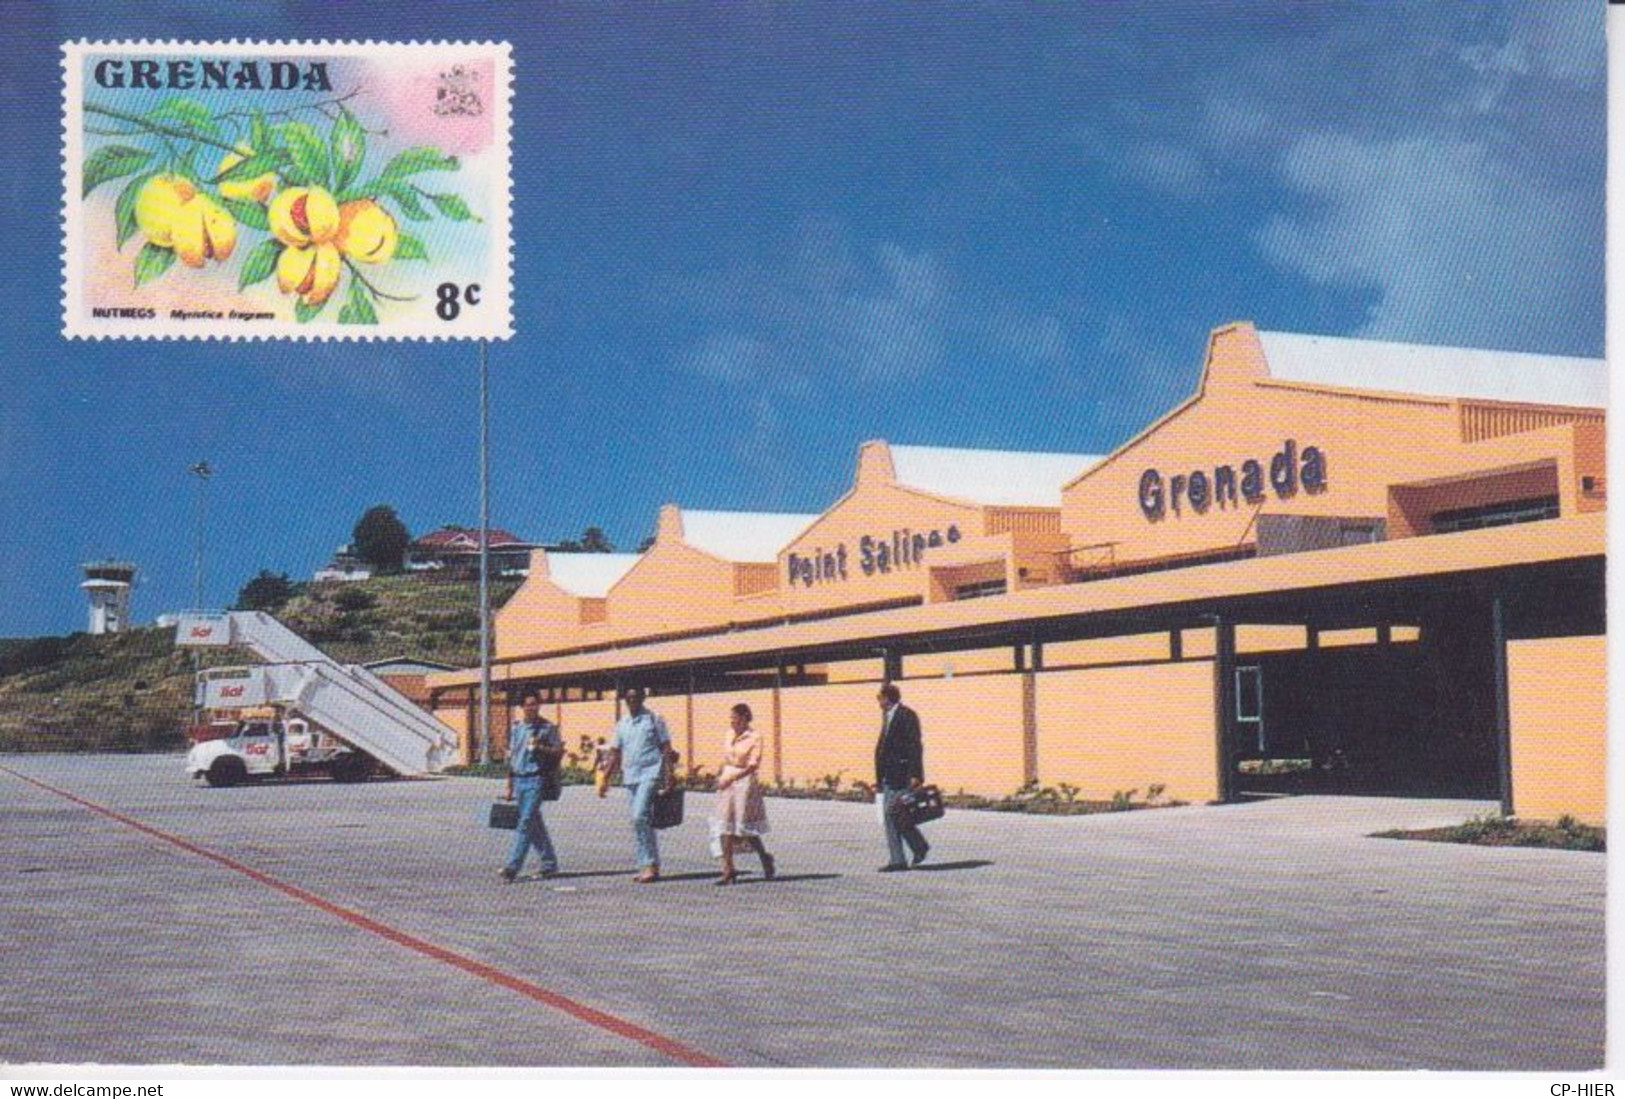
(301,712)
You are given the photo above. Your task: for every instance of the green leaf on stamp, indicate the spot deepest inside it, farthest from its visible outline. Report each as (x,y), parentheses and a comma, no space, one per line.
(186,113)
(251,214)
(405,197)
(410,247)
(112,162)
(306,313)
(307,151)
(349,146)
(259,264)
(259,135)
(151,262)
(124,209)
(450,206)
(358,310)
(419,158)
(253,167)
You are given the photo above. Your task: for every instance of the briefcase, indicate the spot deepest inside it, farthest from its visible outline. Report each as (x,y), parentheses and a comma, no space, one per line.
(667,811)
(505,815)
(916,807)
(552,787)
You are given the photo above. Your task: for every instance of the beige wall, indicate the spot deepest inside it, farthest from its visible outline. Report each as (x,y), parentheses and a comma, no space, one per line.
(673,588)
(1115,729)
(971,727)
(851,671)
(1107,650)
(1265,639)
(1002,659)
(538,617)
(972,730)
(591,719)
(830,729)
(1559,709)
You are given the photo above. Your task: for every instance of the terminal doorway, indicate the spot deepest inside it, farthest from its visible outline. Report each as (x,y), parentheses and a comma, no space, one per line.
(1411,719)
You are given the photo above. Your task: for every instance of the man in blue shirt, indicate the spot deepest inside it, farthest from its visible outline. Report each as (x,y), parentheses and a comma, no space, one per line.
(534,751)
(641,748)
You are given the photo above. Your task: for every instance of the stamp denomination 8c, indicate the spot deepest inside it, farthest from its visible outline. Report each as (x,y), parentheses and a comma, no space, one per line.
(286,190)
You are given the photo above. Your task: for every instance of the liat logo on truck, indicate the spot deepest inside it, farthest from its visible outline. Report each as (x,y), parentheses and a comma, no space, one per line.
(231,692)
(202,631)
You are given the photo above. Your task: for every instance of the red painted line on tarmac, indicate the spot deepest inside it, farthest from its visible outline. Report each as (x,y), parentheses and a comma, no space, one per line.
(590,1015)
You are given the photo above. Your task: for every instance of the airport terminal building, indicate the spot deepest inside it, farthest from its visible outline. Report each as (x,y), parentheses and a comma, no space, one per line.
(1338,566)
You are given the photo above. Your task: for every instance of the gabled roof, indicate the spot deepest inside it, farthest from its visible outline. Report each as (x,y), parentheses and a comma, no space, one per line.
(1436,371)
(1011,478)
(745,536)
(447,538)
(589,575)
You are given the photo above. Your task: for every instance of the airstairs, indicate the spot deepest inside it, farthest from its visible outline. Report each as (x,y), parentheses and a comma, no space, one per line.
(345,699)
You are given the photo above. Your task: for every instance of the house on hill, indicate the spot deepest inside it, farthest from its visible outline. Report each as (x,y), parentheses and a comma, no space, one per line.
(457,549)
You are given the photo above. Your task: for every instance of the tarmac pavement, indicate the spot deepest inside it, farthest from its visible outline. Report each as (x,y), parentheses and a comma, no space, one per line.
(1270,935)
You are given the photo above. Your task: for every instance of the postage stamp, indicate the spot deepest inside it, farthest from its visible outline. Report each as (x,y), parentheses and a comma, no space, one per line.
(286,190)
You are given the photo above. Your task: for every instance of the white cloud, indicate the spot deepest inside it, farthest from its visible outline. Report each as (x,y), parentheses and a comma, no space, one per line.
(1168,168)
(729,357)
(833,310)
(1456,247)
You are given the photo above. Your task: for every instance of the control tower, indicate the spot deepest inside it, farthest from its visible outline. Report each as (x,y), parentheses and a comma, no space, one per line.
(108,585)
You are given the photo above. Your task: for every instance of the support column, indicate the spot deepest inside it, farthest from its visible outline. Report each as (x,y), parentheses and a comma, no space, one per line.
(1224,703)
(1029,727)
(1176,644)
(688,721)
(1020,657)
(1503,702)
(778,725)
(893,666)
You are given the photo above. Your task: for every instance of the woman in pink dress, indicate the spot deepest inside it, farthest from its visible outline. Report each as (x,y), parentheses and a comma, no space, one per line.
(740,818)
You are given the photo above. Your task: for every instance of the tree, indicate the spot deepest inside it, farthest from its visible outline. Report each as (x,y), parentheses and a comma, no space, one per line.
(647,544)
(593,540)
(381,539)
(266,592)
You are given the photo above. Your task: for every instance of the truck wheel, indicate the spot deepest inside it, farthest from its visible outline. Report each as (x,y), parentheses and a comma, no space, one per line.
(353,767)
(226,771)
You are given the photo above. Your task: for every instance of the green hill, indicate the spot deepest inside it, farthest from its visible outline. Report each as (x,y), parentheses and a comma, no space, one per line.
(132,691)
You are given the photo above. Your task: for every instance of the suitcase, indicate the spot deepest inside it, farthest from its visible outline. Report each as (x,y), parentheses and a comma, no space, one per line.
(667,811)
(504,815)
(916,807)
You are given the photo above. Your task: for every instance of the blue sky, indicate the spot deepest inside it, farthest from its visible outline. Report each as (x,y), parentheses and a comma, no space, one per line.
(750,236)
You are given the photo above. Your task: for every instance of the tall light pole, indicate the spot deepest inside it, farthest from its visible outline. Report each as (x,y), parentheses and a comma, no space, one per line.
(203,473)
(485,560)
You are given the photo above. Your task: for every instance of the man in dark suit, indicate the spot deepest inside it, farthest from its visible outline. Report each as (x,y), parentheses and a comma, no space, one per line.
(899,766)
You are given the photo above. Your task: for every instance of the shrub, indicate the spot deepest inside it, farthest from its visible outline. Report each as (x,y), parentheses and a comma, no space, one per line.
(352,599)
